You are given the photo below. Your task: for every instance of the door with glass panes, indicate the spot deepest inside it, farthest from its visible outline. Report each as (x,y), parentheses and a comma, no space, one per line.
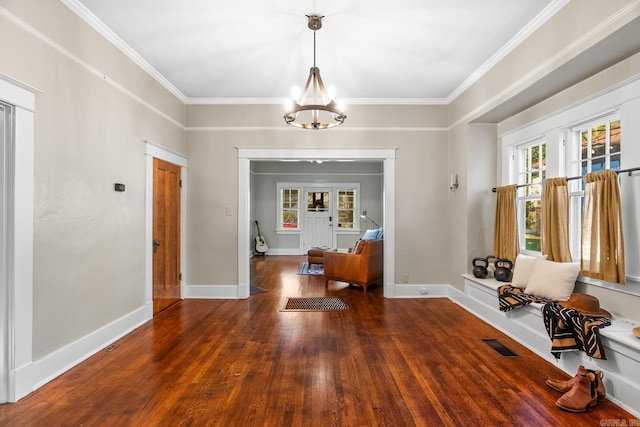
(318,230)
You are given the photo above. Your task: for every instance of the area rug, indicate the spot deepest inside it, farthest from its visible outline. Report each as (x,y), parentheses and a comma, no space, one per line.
(315,304)
(314,269)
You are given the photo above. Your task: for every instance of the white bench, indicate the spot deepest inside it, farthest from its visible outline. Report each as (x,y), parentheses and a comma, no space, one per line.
(621,369)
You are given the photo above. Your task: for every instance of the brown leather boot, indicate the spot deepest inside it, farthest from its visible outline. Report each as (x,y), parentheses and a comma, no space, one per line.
(582,395)
(565,385)
(600,391)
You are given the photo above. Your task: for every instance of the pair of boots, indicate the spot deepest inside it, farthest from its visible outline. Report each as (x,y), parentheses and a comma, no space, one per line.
(580,392)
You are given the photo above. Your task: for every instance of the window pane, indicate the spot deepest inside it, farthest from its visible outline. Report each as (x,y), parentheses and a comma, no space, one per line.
(318,201)
(290,219)
(532,231)
(598,140)
(345,219)
(598,164)
(585,168)
(535,157)
(615,162)
(584,145)
(614,137)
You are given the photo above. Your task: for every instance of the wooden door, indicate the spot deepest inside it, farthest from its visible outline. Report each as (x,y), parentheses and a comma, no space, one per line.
(166,234)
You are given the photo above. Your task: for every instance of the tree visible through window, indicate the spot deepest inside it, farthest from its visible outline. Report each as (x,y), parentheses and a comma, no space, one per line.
(532,170)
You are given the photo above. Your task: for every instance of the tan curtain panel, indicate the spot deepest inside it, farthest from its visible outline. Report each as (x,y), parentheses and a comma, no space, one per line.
(555,220)
(602,250)
(505,237)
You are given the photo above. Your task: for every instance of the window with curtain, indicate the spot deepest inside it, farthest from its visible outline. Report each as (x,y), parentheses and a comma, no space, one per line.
(592,147)
(531,171)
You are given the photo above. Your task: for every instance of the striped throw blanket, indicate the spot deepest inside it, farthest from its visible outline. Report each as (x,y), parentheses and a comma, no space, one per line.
(511,297)
(570,330)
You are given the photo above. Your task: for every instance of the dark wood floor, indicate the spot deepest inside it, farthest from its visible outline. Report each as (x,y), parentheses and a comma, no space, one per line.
(387,362)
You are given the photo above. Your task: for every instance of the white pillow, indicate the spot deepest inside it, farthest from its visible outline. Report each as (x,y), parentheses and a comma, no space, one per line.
(522,270)
(553,280)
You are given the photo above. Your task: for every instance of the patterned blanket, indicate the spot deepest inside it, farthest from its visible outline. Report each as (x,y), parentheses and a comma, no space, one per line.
(511,297)
(570,330)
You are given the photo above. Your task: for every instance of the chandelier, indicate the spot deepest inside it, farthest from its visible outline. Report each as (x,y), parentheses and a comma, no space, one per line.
(321,112)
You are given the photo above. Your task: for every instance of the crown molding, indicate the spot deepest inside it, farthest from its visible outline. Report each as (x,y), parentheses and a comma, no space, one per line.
(522,35)
(84,13)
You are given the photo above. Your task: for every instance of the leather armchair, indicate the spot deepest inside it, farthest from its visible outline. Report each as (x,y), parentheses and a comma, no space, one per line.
(361,268)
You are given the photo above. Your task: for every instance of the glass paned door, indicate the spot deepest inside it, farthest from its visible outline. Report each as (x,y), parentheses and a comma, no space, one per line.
(318,230)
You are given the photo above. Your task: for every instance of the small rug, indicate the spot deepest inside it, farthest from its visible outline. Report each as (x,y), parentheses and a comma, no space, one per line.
(315,304)
(314,269)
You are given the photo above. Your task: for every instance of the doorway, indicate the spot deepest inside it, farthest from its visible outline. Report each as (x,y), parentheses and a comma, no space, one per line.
(6,141)
(318,220)
(246,155)
(166,234)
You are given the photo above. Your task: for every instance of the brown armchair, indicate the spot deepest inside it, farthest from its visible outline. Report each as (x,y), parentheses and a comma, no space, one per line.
(361,268)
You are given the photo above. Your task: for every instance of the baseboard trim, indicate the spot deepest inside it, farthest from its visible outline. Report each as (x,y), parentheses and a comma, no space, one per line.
(44,370)
(212,292)
(421,291)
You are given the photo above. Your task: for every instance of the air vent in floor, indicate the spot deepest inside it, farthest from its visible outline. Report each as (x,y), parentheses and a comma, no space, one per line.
(502,349)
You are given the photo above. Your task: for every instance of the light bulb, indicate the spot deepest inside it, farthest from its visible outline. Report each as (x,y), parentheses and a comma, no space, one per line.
(295,93)
(331,90)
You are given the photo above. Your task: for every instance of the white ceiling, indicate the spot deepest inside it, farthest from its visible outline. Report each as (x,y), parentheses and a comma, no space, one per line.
(375,51)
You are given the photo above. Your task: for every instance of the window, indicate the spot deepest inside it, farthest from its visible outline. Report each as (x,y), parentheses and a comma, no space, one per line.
(593,147)
(289,208)
(532,170)
(346,208)
(317,201)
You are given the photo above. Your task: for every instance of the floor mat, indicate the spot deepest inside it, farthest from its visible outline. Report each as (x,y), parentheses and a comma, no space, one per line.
(313,269)
(315,304)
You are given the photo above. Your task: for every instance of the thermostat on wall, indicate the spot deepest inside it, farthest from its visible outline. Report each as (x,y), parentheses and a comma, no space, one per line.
(119,187)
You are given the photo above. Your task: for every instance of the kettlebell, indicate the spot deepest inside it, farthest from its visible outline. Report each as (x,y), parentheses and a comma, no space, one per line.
(503,270)
(480,267)
(492,267)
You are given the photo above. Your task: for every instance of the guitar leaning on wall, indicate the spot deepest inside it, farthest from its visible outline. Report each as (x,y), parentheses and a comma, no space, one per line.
(261,244)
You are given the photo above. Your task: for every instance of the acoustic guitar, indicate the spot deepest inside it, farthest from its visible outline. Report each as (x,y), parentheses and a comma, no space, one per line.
(261,244)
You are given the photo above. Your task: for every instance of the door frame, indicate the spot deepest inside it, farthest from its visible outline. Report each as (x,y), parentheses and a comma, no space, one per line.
(153,150)
(246,155)
(17,238)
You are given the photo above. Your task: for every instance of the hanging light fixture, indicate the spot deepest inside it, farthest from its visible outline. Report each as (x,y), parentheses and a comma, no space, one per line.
(322,112)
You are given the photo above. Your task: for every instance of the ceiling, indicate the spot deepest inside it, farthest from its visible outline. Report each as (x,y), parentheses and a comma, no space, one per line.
(375,51)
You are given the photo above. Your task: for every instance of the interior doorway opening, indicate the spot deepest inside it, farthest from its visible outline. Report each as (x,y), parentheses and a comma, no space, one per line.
(245,237)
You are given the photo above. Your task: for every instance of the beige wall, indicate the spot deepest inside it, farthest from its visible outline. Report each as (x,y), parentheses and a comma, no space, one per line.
(421,184)
(89,133)
(96,108)
(578,26)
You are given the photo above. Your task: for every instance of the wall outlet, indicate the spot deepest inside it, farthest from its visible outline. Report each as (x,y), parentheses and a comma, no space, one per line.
(405,278)
(424,291)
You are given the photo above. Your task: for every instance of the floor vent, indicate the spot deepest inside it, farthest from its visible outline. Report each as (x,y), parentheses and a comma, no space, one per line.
(502,349)
(315,304)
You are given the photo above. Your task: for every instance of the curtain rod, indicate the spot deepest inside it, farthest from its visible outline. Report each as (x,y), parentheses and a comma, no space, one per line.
(629,171)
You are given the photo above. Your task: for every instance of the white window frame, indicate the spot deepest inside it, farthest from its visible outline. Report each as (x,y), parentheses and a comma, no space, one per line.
(574,168)
(356,204)
(288,186)
(623,98)
(526,191)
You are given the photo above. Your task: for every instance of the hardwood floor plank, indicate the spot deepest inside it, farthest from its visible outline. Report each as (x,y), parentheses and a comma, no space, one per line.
(384,362)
